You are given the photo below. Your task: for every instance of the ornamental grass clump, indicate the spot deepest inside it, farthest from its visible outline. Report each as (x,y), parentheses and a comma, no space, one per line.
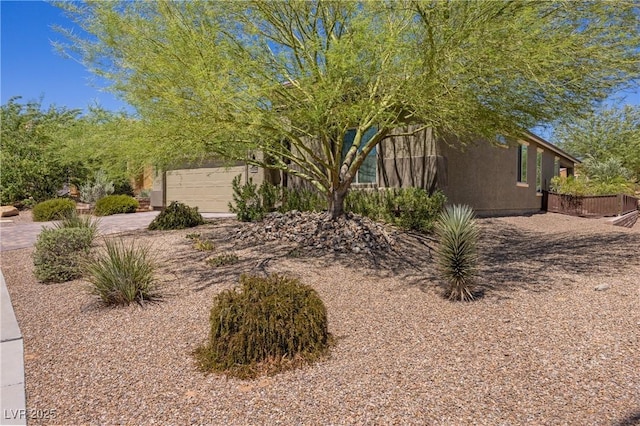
(271,324)
(177,216)
(123,274)
(456,254)
(82,221)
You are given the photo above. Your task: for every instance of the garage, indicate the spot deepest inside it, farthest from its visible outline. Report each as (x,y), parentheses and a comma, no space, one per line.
(208,188)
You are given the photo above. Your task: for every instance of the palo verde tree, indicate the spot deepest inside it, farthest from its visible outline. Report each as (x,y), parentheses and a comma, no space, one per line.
(289,79)
(608,133)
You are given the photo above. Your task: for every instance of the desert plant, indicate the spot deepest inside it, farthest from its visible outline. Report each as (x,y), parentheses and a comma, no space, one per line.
(83,221)
(223,259)
(271,324)
(269,196)
(301,199)
(123,274)
(177,216)
(115,204)
(203,245)
(247,203)
(58,253)
(456,253)
(55,209)
(408,208)
(93,190)
(193,236)
(122,186)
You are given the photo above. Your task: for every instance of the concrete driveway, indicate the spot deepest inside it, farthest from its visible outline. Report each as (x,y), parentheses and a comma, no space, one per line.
(17,236)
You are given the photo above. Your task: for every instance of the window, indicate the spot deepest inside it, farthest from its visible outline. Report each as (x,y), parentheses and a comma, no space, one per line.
(539,171)
(556,166)
(522,163)
(368,169)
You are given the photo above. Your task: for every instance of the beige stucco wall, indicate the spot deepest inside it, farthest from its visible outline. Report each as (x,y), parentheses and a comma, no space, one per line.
(485,177)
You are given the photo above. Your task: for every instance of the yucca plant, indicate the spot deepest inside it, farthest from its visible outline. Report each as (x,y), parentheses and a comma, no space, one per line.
(457,258)
(123,274)
(76,220)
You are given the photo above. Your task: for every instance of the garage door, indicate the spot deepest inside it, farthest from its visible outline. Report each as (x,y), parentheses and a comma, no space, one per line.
(209,189)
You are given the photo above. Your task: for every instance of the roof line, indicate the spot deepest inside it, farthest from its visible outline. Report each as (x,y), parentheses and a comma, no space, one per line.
(551,146)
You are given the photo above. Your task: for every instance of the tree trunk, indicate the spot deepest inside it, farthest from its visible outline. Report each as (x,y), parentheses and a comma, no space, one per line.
(336,203)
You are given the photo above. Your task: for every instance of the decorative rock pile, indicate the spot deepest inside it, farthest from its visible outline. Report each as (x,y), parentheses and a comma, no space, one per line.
(350,233)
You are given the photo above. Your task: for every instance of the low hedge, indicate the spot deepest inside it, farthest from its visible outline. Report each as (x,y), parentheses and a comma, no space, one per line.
(59,253)
(54,209)
(115,204)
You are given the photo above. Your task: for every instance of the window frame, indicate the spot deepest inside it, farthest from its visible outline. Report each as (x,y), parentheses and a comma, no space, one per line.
(539,161)
(373,154)
(522,175)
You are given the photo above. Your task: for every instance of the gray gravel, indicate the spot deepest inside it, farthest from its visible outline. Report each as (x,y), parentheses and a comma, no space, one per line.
(541,347)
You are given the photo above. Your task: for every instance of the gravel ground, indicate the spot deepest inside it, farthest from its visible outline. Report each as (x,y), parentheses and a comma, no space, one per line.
(541,347)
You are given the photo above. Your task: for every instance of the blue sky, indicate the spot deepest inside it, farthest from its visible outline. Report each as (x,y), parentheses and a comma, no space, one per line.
(32,69)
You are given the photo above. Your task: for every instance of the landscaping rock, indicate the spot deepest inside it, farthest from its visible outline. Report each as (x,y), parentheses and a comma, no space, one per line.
(350,233)
(602,287)
(8,211)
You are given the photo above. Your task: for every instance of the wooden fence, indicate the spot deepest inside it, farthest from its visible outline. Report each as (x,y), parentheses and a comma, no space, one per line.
(591,206)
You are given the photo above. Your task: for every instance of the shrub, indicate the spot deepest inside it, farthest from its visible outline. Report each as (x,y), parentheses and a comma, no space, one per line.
(302,199)
(58,253)
(122,186)
(115,204)
(203,245)
(408,208)
(84,221)
(271,324)
(247,203)
(177,216)
(223,259)
(456,254)
(123,274)
(55,209)
(93,190)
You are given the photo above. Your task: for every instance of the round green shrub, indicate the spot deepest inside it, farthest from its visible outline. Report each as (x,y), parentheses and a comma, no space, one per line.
(122,186)
(55,209)
(59,253)
(115,204)
(271,324)
(177,216)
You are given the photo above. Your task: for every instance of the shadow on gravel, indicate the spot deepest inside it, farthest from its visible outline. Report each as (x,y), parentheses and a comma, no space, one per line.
(633,419)
(512,258)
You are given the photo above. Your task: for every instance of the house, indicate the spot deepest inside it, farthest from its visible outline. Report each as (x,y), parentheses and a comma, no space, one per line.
(501,178)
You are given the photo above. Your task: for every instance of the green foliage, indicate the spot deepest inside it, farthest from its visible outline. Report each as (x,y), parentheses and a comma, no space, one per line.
(80,221)
(31,145)
(247,201)
(203,245)
(608,177)
(271,324)
(55,209)
(115,204)
(177,216)
(122,186)
(95,189)
(58,253)
(471,69)
(456,254)
(302,199)
(223,259)
(193,236)
(408,208)
(123,274)
(610,132)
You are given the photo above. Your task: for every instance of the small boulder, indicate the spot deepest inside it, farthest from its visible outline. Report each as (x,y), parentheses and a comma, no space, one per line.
(602,287)
(7,211)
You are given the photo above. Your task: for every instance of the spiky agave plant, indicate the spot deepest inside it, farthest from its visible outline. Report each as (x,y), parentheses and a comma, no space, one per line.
(456,254)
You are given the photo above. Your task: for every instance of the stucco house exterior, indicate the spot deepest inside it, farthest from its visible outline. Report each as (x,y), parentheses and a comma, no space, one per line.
(500,178)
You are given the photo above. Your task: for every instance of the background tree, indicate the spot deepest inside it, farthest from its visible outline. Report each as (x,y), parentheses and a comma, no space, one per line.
(32,163)
(291,79)
(608,133)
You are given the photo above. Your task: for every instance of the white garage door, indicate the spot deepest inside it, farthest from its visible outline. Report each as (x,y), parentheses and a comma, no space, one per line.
(209,189)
